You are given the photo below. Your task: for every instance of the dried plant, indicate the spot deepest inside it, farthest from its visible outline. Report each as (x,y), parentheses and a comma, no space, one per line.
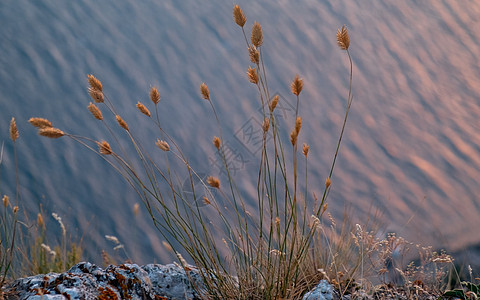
(239,16)
(51,132)
(205,92)
(95,111)
(143,109)
(154,95)
(257,35)
(13,130)
(273,251)
(40,122)
(343,40)
(104,148)
(122,123)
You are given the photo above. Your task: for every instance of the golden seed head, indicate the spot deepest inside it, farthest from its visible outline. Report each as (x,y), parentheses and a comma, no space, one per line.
(266,124)
(95,83)
(136,209)
(95,111)
(216,142)
(205,92)
(5,201)
(328,182)
(213,182)
(40,220)
(122,122)
(239,16)
(343,40)
(167,246)
(96,95)
(15,209)
(164,146)
(305,149)
(104,148)
(293,137)
(143,109)
(154,95)
(252,75)
(277,221)
(40,122)
(274,103)
(325,206)
(51,132)
(298,124)
(13,130)
(206,201)
(254,54)
(257,35)
(297,85)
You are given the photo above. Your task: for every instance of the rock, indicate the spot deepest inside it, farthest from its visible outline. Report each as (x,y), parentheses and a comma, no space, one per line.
(323,291)
(127,281)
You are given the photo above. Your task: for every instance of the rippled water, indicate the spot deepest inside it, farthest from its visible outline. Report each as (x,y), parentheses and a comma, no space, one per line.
(411,148)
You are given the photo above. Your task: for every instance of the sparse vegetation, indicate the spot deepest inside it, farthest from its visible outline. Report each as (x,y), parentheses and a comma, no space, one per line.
(279,251)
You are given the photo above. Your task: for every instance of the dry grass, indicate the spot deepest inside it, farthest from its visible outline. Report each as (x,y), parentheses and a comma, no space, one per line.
(283,248)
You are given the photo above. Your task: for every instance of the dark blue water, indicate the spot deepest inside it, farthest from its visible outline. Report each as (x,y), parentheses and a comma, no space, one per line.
(411,148)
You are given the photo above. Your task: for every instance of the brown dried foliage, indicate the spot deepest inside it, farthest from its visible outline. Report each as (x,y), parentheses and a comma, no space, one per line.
(40,122)
(239,16)
(95,111)
(343,40)
(13,130)
(143,109)
(257,35)
(122,122)
(51,132)
(297,85)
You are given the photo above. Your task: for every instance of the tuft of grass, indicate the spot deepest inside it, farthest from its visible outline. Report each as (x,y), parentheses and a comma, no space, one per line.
(283,248)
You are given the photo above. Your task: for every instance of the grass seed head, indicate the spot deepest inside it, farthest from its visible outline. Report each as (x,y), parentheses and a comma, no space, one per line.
(298,124)
(293,137)
(297,85)
(213,182)
(136,209)
(343,40)
(154,95)
(266,124)
(305,149)
(96,95)
(51,132)
(122,123)
(95,83)
(104,148)
(167,246)
(206,201)
(239,16)
(13,130)
(15,209)
(216,142)
(5,200)
(162,145)
(95,111)
(252,75)
(328,182)
(143,109)
(257,35)
(40,221)
(205,92)
(40,122)
(274,103)
(254,54)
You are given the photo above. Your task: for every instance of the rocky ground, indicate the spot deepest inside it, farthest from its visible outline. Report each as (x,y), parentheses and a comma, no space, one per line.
(153,281)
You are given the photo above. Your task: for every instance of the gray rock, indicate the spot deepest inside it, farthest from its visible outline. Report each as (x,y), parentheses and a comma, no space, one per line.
(128,281)
(323,291)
